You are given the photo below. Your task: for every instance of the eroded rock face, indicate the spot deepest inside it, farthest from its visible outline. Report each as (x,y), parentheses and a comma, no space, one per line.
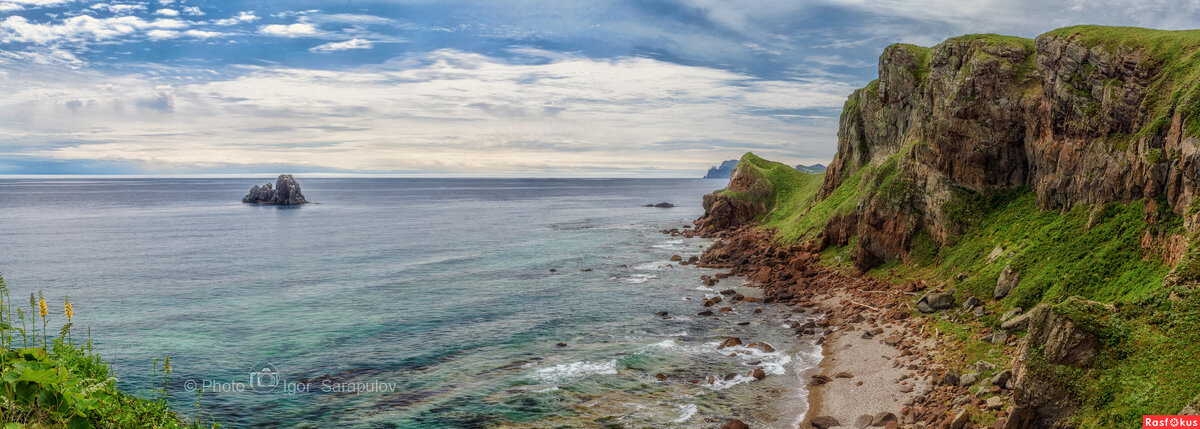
(978,114)
(1054,340)
(285,192)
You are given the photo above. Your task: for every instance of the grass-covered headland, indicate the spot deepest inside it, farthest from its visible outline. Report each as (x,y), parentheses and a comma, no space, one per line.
(52,378)
(1149,361)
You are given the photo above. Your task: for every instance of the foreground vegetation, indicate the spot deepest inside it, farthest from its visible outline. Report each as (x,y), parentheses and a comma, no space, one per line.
(1150,342)
(49,381)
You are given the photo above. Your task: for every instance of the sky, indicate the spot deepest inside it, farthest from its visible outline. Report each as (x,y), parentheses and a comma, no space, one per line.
(660,88)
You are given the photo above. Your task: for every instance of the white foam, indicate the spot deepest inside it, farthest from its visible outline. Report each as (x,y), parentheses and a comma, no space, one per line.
(576,370)
(635,278)
(685,412)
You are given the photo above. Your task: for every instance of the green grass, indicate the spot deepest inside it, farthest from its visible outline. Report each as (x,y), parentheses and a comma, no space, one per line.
(48,381)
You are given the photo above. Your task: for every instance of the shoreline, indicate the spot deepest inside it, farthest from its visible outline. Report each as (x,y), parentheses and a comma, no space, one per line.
(878,366)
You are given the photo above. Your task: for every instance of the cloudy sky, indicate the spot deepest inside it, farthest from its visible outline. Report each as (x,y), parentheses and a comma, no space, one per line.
(559,88)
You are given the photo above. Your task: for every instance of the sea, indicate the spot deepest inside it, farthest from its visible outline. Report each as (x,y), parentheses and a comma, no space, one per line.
(404,302)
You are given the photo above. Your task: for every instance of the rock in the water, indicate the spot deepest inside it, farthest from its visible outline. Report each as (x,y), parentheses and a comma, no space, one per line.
(662,205)
(935,301)
(735,424)
(758,374)
(285,192)
(730,342)
(1007,281)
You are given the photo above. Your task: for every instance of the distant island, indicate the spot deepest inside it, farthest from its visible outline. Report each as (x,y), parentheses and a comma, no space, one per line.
(725,170)
(722,171)
(286,192)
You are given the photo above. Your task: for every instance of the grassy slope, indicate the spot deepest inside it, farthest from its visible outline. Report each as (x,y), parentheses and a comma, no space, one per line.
(1059,257)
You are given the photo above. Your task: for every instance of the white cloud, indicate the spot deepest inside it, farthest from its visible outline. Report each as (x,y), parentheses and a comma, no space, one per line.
(193,11)
(446,111)
(162,34)
(167,12)
(342,46)
(201,34)
(9,7)
(80,29)
(118,8)
(299,29)
(243,16)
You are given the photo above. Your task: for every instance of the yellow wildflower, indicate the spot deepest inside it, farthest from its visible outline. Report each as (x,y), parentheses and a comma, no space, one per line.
(42,307)
(70,311)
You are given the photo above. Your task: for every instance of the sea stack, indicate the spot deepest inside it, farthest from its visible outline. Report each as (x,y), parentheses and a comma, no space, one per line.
(286,192)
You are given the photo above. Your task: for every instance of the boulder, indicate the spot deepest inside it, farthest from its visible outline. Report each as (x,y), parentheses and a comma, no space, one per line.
(1016,311)
(1016,323)
(285,192)
(968,379)
(863,421)
(730,342)
(823,422)
(935,301)
(735,424)
(971,303)
(883,418)
(758,374)
(1006,282)
(960,420)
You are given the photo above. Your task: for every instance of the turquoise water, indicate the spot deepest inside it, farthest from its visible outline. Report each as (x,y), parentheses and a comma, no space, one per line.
(436,294)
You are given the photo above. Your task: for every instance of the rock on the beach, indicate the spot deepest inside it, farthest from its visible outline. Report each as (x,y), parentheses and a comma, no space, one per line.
(735,424)
(823,422)
(818,380)
(285,192)
(935,301)
(863,421)
(883,418)
(844,374)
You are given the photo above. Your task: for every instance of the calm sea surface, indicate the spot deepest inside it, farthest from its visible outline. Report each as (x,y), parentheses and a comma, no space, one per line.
(433,299)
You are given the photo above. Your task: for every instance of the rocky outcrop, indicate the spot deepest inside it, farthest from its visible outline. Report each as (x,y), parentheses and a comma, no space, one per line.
(285,192)
(747,197)
(1078,116)
(1059,338)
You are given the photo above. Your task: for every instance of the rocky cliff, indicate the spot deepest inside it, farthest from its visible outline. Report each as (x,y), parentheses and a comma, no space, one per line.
(1058,173)
(1081,115)
(285,192)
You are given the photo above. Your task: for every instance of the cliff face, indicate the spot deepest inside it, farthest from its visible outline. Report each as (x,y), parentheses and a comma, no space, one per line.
(1082,115)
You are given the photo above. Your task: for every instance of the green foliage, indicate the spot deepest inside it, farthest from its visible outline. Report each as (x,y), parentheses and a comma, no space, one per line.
(63,385)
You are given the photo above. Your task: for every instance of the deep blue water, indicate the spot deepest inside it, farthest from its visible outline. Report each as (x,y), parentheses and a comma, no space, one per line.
(438,288)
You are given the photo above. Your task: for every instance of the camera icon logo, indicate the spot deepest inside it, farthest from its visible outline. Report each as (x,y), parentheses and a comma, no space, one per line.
(263,377)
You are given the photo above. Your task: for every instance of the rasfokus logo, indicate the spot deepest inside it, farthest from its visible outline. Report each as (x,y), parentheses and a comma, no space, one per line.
(1171,422)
